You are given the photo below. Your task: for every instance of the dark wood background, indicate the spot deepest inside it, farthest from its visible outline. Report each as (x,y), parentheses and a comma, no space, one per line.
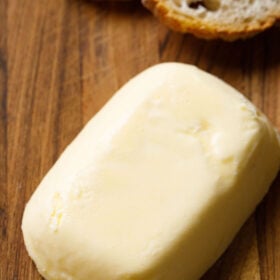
(60,61)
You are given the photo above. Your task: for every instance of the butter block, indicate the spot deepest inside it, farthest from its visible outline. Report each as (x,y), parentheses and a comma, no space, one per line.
(156,185)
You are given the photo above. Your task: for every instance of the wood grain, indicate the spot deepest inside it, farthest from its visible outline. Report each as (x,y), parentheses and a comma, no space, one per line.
(60,61)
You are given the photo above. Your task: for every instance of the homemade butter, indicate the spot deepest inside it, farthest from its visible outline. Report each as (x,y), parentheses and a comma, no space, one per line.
(156,185)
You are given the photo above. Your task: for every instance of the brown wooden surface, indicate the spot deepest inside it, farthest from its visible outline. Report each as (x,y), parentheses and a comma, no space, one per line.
(60,61)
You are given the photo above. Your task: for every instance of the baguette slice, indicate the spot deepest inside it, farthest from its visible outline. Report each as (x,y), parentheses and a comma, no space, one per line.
(211,19)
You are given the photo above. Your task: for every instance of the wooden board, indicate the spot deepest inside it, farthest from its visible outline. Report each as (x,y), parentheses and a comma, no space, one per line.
(60,61)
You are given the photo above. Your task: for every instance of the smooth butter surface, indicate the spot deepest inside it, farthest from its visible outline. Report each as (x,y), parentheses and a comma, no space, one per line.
(156,185)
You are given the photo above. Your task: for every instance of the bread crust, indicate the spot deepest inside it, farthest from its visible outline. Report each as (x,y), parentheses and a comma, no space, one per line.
(205,29)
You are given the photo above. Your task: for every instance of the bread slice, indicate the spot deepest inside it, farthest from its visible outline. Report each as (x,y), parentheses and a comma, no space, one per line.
(225,19)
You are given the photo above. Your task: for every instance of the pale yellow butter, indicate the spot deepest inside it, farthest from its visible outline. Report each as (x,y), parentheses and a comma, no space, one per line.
(156,185)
